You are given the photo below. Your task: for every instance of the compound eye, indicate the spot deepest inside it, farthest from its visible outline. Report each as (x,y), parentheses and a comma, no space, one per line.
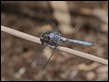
(42,34)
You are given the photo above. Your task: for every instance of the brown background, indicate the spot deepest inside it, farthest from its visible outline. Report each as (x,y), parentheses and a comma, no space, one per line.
(88,24)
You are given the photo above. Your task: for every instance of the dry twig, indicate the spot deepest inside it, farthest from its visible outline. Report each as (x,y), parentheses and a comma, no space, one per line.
(65,49)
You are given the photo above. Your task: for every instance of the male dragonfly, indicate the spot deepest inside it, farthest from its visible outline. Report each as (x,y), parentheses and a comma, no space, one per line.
(54,38)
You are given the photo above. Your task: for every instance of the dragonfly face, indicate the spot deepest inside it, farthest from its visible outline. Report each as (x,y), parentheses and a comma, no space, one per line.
(51,38)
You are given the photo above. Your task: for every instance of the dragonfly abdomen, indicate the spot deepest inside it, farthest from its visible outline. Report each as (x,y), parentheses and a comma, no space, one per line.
(80,42)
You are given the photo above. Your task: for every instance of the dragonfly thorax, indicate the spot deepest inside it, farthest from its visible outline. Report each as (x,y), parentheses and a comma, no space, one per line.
(51,38)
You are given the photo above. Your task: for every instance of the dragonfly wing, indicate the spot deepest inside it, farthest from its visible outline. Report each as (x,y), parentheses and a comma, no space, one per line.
(35,57)
(43,57)
(51,54)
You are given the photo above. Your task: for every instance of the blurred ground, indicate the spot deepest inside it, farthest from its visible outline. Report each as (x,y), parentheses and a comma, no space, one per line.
(83,20)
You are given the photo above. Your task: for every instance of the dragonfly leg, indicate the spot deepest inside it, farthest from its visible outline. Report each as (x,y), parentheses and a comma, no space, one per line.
(49,59)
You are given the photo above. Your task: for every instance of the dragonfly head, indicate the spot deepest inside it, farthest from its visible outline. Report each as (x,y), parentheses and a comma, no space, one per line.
(44,37)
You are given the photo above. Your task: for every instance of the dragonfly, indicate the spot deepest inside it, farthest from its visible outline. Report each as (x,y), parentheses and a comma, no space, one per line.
(54,38)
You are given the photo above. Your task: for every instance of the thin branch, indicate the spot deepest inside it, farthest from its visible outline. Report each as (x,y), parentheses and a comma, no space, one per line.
(65,49)
(20,34)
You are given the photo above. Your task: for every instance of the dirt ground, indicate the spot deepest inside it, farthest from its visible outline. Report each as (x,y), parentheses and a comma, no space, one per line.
(84,20)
